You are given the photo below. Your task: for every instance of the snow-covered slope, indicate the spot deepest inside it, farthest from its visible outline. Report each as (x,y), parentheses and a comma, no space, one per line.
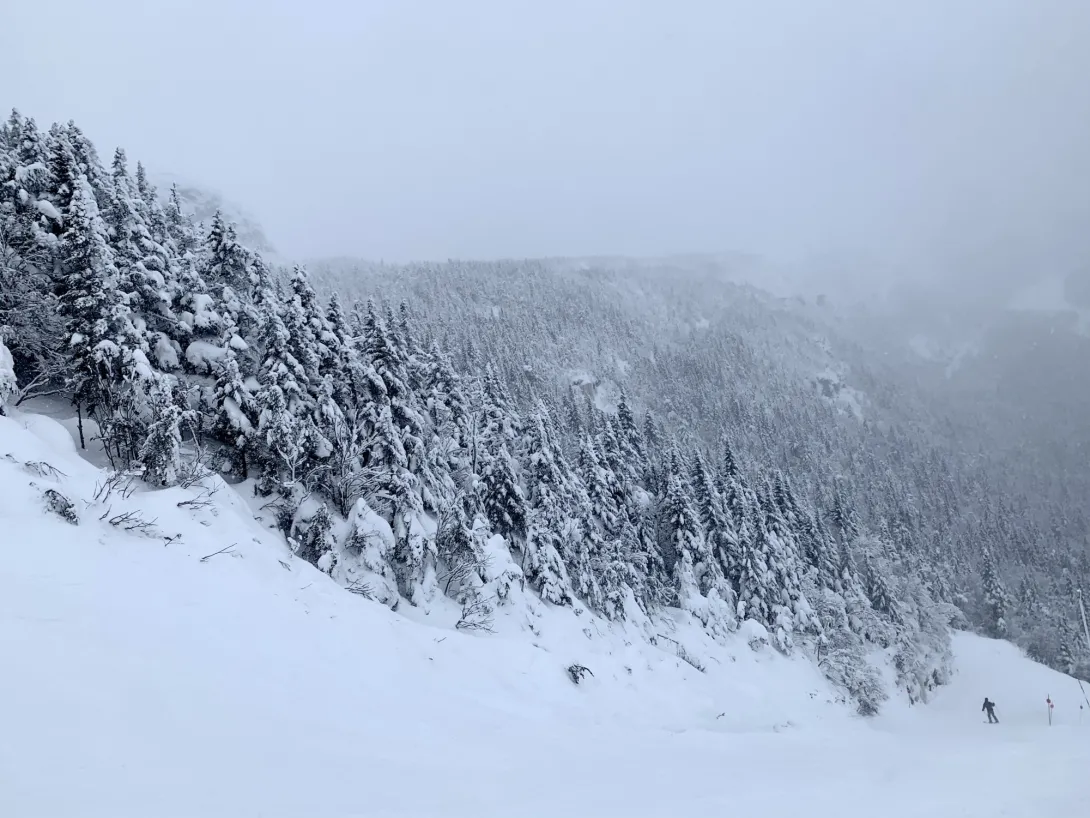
(145,677)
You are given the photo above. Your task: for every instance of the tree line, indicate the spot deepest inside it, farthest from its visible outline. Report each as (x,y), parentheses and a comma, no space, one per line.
(180,348)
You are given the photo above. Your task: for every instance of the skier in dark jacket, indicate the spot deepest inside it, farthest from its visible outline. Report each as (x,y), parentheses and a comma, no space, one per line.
(990,708)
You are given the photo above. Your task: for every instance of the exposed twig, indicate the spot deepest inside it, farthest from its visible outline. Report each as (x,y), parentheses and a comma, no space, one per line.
(226,550)
(194,469)
(688,658)
(131,521)
(360,588)
(476,615)
(202,500)
(116,482)
(43,469)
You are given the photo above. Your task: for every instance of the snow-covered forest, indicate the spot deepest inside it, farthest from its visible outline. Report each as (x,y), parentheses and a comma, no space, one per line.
(604,435)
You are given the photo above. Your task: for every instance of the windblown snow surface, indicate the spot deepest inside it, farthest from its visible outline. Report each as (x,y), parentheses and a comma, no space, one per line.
(139,680)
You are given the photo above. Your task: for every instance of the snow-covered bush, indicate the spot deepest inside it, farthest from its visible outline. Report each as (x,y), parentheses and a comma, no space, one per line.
(842,657)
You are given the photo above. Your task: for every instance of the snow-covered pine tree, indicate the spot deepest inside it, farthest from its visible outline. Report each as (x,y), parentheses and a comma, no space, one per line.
(698,583)
(279,366)
(447,420)
(791,611)
(501,497)
(996,600)
(721,539)
(140,260)
(587,550)
(281,435)
(822,553)
(1070,643)
(234,409)
(647,575)
(308,329)
(161,452)
(758,595)
(598,481)
(878,578)
(547,548)
(844,518)
(386,360)
(103,344)
(628,432)
(394,429)
(683,535)
(739,526)
(344,363)
(1029,602)
(226,262)
(88,162)
(316,544)
(730,470)
(181,231)
(652,473)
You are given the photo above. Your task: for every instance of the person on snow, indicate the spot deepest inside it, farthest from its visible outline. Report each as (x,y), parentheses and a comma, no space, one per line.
(989,707)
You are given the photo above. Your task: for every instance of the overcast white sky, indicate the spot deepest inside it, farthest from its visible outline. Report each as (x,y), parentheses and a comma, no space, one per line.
(929,132)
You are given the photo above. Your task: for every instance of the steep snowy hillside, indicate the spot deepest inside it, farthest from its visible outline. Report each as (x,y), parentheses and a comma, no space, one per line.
(973,449)
(535,447)
(199,668)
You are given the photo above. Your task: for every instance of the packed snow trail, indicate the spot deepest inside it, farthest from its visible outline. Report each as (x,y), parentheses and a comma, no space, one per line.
(140,681)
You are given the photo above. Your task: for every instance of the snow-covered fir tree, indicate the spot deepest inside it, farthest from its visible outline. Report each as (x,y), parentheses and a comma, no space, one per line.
(995,597)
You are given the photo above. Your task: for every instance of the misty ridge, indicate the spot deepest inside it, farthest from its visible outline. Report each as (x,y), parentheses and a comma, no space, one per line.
(778,317)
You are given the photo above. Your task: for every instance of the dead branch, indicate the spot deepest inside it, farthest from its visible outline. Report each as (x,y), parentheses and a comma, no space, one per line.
(46,383)
(476,615)
(117,482)
(43,469)
(132,522)
(360,588)
(202,500)
(226,550)
(194,469)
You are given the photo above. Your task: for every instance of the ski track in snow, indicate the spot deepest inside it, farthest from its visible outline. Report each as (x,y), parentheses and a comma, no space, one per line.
(140,681)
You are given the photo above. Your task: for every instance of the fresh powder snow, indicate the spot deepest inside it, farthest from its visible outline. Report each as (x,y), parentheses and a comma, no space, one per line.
(198,668)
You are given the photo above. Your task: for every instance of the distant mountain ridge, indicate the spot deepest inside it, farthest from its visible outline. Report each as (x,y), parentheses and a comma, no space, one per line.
(202,202)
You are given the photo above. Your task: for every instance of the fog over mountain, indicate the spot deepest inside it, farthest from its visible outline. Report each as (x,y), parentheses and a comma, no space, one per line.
(935,141)
(704,371)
